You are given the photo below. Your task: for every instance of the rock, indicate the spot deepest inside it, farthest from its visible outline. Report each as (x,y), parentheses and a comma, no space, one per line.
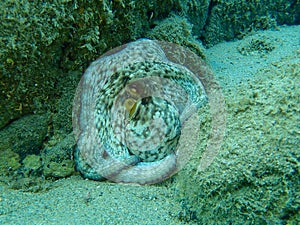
(25,136)
(32,165)
(58,159)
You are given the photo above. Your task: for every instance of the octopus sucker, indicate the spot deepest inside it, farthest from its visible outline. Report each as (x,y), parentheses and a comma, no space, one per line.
(134,110)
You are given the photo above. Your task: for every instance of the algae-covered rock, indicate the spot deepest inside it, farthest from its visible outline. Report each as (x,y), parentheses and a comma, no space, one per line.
(197,13)
(177,30)
(25,135)
(31,39)
(255,178)
(62,118)
(62,169)
(32,165)
(235,18)
(58,157)
(40,42)
(20,146)
(258,45)
(9,162)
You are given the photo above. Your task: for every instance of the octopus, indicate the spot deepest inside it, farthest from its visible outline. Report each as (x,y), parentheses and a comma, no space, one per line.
(135,112)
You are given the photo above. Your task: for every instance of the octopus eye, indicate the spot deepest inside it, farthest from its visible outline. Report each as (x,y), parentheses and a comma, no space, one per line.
(129,104)
(132,110)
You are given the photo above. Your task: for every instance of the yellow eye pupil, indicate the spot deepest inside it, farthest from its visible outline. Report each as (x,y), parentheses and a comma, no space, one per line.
(130,105)
(132,110)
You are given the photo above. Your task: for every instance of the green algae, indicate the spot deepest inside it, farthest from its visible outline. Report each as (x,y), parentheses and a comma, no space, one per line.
(9,161)
(177,30)
(57,157)
(59,170)
(32,163)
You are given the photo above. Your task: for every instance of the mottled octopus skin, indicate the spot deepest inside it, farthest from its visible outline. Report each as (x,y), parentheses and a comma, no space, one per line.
(118,136)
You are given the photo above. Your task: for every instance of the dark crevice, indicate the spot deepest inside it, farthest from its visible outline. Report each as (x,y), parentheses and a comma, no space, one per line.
(211,5)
